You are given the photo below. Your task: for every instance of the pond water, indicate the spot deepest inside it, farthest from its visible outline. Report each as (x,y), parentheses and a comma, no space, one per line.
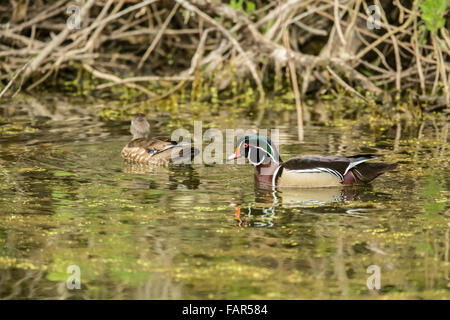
(205,231)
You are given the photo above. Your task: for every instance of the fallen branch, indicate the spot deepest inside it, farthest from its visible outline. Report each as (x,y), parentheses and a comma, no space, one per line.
(5,89)
(115,79)
(158,36)
(345,85)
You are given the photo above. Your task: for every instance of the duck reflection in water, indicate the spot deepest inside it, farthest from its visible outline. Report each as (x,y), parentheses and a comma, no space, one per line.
(261,212)
(177,175)
(307,197)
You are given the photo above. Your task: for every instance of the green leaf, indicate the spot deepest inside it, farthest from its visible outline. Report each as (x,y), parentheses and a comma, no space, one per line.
(433,13)
(250,7)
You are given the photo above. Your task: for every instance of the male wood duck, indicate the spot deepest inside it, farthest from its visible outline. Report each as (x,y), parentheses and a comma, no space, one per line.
(307,171)
(142,149)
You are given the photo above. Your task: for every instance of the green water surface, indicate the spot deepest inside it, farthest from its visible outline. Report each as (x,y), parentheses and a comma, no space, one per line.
(67,198)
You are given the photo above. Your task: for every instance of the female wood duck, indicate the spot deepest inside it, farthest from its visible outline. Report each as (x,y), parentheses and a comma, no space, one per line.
(307,171)
(142,149)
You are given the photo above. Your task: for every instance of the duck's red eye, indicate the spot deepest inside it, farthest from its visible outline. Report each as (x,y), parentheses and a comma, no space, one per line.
(245,145)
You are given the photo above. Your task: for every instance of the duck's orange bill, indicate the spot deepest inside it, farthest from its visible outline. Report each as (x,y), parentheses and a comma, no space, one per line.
(235,155)
(238,214)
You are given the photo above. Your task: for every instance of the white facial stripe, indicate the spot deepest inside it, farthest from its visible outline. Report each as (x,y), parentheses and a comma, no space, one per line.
(276,161)
(265,152)
(255,164)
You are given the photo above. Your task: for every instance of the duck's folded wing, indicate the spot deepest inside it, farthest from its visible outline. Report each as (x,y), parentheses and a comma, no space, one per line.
(320,170)
(151,144)
(334,165)
(158,151)
(147,150)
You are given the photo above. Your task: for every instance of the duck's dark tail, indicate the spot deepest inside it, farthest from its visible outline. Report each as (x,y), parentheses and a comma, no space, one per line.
(366,172)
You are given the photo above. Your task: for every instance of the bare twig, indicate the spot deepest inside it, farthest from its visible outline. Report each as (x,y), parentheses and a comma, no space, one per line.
(236,44)
(36,62)
(337,23)
(298,103)
(345,85)
(158,36)
(252,44)
(115,79)
(194,64)
(13,79)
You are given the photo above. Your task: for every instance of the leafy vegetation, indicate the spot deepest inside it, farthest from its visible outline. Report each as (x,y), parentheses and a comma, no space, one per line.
(433,13)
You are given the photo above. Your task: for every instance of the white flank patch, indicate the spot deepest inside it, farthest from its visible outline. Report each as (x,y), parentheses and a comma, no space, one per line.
(315,170)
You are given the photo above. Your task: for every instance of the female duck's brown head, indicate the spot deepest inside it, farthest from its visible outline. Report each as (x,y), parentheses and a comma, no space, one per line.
(140,127)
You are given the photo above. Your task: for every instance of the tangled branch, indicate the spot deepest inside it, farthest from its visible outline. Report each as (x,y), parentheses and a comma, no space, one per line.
(138,44)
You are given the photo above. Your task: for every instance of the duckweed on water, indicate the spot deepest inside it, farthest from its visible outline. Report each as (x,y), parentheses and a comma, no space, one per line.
(67,199)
